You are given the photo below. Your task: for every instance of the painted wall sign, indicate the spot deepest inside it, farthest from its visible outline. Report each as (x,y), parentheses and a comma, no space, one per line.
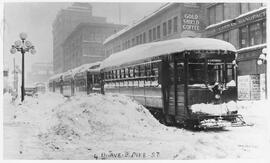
(191,22)
(237,22)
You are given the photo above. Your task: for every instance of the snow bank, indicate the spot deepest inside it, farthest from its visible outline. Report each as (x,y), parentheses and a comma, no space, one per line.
(98,121)
(102,126)
(102,117)
(38,110)
(7,97)
(212,109)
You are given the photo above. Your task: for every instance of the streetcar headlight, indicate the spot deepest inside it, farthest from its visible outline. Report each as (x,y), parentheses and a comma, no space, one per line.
(217,96)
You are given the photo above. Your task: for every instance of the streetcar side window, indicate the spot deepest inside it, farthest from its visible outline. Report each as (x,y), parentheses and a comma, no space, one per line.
(136,71)
(154,69)
(127,72)
(148,69)
(123,73)
(180,73)
(142,70)
(114,74)
(117,74)
(154,74)
(131,70)
(106,75)
(230,72)
(196,73)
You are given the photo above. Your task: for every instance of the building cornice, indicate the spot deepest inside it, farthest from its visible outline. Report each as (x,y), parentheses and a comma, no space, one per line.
(89,24)
(246,18)
(128,28)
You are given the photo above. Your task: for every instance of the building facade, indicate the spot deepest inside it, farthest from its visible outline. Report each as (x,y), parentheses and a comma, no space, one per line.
(243,25)
(85,44)
(40,73)
(64,23)
(170,21)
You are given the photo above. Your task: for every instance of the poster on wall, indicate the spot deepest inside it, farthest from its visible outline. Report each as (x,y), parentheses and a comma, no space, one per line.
(262,86)
(255,87)
(243,87)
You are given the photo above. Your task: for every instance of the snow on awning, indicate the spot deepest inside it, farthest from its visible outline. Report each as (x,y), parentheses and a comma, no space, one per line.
(56,76)
(84,68)
(156,49)
(251,48)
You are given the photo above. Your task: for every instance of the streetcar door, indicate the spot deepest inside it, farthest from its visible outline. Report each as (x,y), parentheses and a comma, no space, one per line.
(168,94)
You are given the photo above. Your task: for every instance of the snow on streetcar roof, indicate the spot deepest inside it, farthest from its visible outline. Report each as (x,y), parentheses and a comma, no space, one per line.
(155,49)
(84,67)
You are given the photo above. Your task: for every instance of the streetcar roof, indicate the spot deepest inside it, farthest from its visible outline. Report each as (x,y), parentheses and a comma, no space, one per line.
(82,68)
(160,48)
(56,76)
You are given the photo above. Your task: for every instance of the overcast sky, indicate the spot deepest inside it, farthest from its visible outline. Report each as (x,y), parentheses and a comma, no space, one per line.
(36,20)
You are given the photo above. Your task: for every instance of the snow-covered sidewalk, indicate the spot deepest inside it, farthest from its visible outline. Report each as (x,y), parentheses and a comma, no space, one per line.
(116,127)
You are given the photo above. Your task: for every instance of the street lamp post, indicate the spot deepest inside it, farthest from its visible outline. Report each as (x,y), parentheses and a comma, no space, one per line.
(22,46)
(262,60)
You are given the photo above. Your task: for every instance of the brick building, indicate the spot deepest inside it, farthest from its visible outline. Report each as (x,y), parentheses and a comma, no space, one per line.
(85,44)
(243,25)
(170,21)
(64,23)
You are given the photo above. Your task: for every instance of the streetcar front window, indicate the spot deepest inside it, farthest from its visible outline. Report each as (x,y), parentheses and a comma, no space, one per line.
(219,72)
(210,72)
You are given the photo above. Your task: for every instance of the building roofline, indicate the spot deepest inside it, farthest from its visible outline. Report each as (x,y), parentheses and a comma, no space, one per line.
(114,36)
(85,24)
(236,18)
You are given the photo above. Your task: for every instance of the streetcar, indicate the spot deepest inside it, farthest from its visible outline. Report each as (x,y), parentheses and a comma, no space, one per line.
(168,77)
(84,79)
(41,87)
(56,83)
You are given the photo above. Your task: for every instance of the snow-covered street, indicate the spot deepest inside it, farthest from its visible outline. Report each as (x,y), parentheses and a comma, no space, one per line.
(115,127)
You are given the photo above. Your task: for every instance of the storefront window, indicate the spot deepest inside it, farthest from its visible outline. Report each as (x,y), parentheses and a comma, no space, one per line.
(164,29)
(243,32)
(244,8)
(170,26)
(175,24)
(133,41)
(234,38)
(253,6)
(255,34)
(220,37)
(137,40)
(150,35)
(154,34)
(158,32)
(264,32)
(212,17)
(219,13)
(226,36)
(144,37)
